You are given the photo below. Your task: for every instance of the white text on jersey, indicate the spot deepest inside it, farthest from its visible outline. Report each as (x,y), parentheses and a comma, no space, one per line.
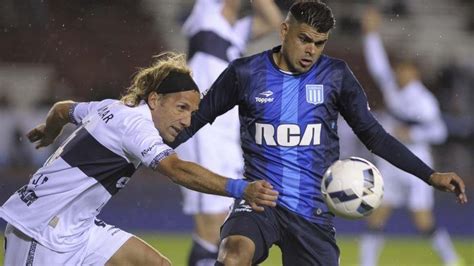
(287,135)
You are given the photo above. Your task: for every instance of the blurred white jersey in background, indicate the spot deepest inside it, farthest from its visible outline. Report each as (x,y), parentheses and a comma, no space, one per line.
(213,43)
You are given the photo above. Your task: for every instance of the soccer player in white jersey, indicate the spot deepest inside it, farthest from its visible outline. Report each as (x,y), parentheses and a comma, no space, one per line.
(52,219)
(413,116)
(217,36)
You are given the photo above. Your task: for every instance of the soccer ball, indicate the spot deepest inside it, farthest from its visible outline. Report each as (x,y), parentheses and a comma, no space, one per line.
(352,188)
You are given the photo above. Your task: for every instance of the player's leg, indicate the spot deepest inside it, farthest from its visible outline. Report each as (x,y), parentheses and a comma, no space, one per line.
(209,212)
(372,241)
(247,235)
(306,243)
(421,205)
(205,239)
(136,252)
(112,246)
(395,192)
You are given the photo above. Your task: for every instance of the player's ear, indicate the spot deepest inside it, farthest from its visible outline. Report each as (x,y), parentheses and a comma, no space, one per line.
(284,26)
(153,99)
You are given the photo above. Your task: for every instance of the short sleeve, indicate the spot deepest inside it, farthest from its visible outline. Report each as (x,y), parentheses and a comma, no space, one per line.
(143,141)
(80,110)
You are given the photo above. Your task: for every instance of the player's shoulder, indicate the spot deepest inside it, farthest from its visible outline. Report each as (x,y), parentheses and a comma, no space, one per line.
(329,61)
(245,60)
(249,63)
(135,117)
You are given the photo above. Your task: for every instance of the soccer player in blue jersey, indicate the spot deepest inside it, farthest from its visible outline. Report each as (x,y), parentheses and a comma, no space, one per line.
(289,100)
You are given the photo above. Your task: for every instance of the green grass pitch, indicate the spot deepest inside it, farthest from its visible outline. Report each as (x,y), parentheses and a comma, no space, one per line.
(398,251)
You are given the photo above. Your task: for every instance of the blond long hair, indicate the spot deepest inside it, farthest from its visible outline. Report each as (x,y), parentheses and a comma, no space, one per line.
(147,79)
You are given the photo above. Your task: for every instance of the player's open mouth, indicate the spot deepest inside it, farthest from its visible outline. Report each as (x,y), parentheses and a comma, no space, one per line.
(306,62)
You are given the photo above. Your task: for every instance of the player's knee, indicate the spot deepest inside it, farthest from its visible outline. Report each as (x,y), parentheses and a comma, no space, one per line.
(236,250)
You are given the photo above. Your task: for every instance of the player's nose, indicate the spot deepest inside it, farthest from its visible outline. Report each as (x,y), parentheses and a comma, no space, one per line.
(186,121)
(310,49)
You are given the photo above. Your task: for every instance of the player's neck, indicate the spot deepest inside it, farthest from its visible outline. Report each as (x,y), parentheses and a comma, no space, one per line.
(280,63)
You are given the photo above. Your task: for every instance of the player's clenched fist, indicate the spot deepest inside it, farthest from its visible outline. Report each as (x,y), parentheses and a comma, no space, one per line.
(260,193)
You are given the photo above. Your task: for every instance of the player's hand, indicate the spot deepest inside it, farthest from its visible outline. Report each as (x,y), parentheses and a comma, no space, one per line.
(371,20)
(42,137)
(260,193)
(449,182)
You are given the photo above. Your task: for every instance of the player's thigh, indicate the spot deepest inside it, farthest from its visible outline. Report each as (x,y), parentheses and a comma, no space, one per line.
(113,246)
(236,250)
(207,225)
(306,243)
(136,252)
(23,250)
(423,219)
(378,218)
(249,232)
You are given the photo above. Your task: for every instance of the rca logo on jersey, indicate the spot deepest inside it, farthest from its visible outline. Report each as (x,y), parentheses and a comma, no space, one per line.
(287,135)
(264,97)
(315,93)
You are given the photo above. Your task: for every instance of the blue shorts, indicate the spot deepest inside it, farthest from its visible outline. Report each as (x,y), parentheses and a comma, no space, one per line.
(301,241)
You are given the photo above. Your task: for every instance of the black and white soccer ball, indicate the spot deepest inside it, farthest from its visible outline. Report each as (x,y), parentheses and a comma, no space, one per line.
(352,188)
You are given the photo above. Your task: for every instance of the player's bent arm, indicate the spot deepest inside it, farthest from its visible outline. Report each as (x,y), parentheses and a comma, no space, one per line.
(267,17)
(45,133)
(196,177)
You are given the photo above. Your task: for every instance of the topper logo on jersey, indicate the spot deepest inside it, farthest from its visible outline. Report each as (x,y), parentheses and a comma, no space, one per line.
(287,135)
(266,97)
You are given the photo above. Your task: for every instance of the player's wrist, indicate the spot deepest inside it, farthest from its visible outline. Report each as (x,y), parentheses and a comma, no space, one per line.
(236,187)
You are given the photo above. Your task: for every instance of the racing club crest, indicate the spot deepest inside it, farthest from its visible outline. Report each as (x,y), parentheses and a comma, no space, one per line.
(315,93)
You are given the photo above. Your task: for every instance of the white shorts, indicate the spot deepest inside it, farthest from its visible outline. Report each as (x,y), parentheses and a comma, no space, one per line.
(196,202)
(104,241)
(216,148)
(403,189)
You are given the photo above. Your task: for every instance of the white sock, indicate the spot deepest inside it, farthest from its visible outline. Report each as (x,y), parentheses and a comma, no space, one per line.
(442,243)
(205,244)
(370,246)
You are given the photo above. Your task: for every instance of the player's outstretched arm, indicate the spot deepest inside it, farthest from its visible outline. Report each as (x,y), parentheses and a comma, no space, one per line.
(45,133)
(193,176)
(449,182)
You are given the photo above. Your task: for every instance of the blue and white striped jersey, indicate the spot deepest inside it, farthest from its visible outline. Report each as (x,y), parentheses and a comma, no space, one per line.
(58,205)
(289,123)
(288,126)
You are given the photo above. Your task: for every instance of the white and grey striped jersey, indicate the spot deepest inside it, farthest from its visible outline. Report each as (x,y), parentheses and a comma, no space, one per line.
(213,43)
(58,206)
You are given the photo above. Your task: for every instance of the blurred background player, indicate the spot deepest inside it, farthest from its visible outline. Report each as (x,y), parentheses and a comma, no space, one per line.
(413,117)
(216,35)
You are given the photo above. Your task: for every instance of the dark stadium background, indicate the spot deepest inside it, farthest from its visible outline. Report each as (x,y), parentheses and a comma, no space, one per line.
(85,50)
